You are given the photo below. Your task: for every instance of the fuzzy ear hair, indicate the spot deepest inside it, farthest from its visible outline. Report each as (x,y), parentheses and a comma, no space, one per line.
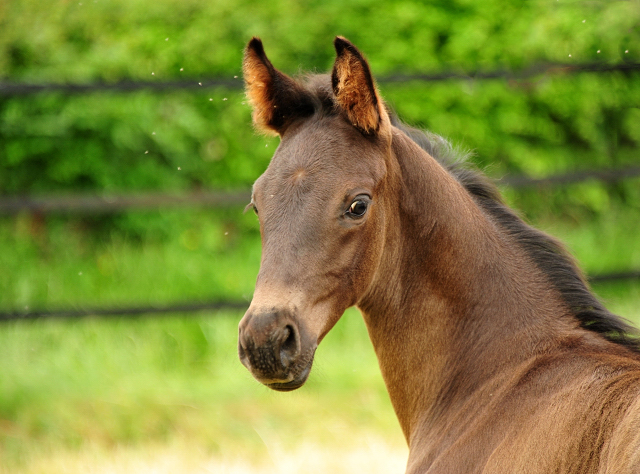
(354,88)
(277,99)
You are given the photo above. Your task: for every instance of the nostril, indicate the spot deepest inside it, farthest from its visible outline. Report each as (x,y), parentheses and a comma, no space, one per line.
(246,344)
(289,348)
(290,343)
(242,350)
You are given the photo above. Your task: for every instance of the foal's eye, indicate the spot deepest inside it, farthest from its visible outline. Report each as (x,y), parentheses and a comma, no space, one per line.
(358,207)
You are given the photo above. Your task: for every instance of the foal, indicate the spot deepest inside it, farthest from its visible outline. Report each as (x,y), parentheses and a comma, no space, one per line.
(496,355)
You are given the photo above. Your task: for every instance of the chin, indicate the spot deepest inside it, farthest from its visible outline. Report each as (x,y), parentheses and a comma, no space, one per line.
(293,384)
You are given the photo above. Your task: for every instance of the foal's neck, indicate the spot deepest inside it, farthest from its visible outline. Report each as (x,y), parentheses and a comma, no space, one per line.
(452,288)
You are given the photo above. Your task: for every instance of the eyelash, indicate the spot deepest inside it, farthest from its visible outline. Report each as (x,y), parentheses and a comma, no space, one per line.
(251,206)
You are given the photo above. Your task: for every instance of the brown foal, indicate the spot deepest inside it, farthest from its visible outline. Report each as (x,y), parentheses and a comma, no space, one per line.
(496,355)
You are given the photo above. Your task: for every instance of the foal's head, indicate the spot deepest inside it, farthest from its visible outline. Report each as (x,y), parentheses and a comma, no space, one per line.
(320,205)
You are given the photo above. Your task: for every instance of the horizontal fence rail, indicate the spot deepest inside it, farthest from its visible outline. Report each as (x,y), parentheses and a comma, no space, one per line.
(216,199)
(190,307)
(236,82)
(532,71)
(604,175)
(14,89)
(93,204)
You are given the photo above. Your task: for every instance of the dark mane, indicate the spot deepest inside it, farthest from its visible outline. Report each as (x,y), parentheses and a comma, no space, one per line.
(545,251)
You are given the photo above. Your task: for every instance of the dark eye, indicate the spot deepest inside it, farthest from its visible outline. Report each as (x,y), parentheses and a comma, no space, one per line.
(358,207)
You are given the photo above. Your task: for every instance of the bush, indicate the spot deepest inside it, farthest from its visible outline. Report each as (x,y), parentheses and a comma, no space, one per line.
(202,138)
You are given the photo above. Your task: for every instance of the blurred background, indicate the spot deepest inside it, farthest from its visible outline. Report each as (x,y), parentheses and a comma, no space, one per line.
(126,156)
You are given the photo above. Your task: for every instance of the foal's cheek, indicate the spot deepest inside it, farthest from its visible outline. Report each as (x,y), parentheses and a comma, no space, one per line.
(361,259)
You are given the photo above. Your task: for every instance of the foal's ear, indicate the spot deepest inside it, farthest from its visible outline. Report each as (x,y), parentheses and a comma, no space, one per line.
(276,98)
(354,88)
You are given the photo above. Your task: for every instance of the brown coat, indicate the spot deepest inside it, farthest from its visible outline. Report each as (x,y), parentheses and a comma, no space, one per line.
(496,355)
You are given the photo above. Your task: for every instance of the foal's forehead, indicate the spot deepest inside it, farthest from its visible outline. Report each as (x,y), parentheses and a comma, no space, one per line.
(327,149)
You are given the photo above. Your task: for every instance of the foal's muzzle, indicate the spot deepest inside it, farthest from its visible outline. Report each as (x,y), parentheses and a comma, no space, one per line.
(275,349)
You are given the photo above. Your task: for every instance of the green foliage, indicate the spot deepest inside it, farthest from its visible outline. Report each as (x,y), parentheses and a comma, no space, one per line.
(113,39)
(110,142)
(538,127)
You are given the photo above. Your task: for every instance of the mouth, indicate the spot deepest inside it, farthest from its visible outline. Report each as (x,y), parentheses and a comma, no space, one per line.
(294,384)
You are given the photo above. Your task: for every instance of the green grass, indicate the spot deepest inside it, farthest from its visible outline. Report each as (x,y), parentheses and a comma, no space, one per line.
(69,385)
(168,256)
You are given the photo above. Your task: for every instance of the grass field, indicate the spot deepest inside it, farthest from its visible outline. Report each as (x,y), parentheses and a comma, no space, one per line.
(167,393)
(95,390)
